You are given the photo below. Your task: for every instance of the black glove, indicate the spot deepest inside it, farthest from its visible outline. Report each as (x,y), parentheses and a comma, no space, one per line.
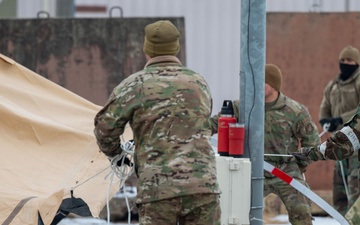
(324,120)
(121,161)
(124,160)
(301,156)
(334,123)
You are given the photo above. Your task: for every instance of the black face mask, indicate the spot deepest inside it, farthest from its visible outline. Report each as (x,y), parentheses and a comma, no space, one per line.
(347,70)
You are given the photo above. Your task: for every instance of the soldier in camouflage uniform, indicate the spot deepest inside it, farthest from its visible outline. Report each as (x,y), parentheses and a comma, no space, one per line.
(287,124)
(339,103)
(168,107)
(342,145)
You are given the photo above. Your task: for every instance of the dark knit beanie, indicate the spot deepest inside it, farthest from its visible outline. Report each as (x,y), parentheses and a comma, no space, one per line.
(273,76)
(351,53)
(161,38)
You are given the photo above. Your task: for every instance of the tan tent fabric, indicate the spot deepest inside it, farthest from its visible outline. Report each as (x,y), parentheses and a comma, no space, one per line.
(47,148)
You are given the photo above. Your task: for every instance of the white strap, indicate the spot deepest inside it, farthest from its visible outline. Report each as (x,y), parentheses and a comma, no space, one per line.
(352,137)
(323,148)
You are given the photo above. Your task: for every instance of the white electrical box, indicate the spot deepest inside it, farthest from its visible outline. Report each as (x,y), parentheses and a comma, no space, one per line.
(234,177)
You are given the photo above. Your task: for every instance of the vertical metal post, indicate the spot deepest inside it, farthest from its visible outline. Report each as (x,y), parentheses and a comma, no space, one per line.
(8,9)
(347,5)
(45,6)
(252,80)
(65,8)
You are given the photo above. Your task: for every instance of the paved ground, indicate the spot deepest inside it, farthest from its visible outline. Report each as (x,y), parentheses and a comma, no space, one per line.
(282,219)
(88,221)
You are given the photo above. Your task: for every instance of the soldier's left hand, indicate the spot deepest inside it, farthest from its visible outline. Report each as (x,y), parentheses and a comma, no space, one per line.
(334,123)
(302,154)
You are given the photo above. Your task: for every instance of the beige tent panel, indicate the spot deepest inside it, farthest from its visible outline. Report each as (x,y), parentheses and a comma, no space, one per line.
(47,148)
(24,212)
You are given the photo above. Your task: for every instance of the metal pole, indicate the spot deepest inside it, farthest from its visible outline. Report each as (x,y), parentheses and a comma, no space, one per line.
(45,6)
(65,8)
(252,79)
(347,5)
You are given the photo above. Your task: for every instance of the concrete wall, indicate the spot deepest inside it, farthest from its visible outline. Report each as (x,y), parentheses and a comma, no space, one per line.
(87,56)
(212,32)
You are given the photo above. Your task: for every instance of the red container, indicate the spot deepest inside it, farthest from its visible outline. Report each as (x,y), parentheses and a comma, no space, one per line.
(236,139)
(223,134)
(226,117)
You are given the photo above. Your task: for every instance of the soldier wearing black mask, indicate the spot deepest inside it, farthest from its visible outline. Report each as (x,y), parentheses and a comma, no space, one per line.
(347,68)
(340,101)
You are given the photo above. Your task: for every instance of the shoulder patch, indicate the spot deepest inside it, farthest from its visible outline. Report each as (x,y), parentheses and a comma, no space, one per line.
(294,105)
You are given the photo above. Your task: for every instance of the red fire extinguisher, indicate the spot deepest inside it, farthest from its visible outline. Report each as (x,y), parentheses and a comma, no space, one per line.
(226,117)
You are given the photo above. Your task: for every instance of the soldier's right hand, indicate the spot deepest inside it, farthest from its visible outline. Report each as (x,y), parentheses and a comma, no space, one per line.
(120,160)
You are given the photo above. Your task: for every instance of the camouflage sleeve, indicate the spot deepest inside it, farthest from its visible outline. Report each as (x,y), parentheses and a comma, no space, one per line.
(214,119)
(337,147)
(325,106)
(341,145)
(307,133)
(111,120)
(236,105)
(214,123)
(306,129)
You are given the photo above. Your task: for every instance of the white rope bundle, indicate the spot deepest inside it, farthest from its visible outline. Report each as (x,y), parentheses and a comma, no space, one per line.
(122,172)
(127,154)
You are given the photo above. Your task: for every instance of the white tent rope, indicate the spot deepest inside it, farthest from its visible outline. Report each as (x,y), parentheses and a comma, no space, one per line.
(122,172)
(73,188)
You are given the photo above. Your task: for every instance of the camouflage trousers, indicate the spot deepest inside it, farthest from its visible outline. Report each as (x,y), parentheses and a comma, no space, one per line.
(297,205)
(353,215)
(351,171)
(200,209)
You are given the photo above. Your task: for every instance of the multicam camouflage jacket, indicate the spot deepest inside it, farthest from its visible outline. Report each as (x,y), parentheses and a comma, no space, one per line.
(341,145)
(167,106)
